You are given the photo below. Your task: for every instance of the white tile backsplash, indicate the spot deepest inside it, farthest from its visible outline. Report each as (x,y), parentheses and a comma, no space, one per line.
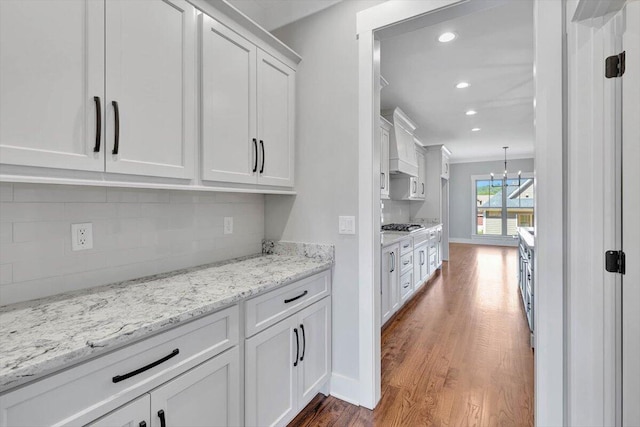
(135,233)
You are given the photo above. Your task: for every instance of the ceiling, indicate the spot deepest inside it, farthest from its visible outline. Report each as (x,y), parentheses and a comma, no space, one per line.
(272,14)
(494,53)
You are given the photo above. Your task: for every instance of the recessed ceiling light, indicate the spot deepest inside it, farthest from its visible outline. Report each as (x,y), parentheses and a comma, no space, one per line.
(471,113)
(447,37)
(475,129)
(462,85)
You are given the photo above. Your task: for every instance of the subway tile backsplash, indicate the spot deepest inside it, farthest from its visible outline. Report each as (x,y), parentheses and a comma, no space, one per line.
(136,232)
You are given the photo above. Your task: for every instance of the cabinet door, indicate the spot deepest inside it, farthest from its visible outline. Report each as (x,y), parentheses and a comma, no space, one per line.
(315,354)
(229,145)
(422,173)
(133,414)
(150,74)
(389,282)
(51,68)
(276,99)
(384,163)
(207,395)
(424,267)
(445,166)
(271,382)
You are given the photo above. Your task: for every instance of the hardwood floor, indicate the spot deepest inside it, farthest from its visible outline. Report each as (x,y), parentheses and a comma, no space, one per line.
(457,355)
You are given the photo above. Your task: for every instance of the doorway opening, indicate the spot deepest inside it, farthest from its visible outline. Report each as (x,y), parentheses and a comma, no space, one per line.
(380,23)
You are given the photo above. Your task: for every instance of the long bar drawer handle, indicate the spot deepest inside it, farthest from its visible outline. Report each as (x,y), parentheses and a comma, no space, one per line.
(119,378)
(287,301)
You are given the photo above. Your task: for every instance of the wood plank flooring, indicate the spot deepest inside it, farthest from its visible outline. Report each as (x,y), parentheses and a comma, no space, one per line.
(457,355)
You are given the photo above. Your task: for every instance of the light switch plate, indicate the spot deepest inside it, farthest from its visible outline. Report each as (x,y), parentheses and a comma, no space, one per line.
(347,225)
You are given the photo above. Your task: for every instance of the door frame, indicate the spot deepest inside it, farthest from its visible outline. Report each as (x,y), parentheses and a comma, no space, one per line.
(549,159)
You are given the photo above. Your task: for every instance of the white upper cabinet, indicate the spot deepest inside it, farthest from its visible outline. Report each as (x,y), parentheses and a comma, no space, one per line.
(385,129)
(128,87)
(421,190)
(51,68)
(150,81)
(444,172)
(248,101)
(230,146)
(276,106)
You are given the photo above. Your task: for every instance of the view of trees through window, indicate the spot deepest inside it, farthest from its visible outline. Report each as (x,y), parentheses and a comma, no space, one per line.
(502,207)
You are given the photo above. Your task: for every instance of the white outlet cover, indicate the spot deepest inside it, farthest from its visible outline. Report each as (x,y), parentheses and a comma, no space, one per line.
(347,225)
(81,236)
(228,225)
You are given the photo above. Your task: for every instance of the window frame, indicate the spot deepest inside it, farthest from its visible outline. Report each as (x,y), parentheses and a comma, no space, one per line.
(474,207)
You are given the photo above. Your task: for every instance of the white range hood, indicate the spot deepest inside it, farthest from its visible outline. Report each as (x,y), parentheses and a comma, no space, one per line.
(402,149)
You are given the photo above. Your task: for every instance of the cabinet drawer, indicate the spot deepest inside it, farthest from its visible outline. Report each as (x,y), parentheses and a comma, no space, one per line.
(85,392)
(406,262)
(271,307)
(420,238)
(406,285)
(406,246)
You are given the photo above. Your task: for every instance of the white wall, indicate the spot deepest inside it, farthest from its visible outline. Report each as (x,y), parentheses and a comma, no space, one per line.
(327,166)
(460,197)
(135,233)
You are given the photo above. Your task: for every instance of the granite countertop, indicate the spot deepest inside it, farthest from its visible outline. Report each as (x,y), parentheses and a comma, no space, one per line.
(43,336)
(391,237)
(527,236)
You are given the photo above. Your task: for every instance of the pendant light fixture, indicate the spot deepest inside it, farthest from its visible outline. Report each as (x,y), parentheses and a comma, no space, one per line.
(505,174)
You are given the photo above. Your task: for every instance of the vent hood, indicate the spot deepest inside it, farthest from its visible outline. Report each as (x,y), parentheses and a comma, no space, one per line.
(402,149)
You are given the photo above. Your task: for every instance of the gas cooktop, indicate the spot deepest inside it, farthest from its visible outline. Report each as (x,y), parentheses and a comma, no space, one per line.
(408,228)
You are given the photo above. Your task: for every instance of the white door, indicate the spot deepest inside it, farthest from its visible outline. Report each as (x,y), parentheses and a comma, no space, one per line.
(51,68)
(276,99)
(207,395)
(151,84)
(389,282)
(229,139)
(271,387)
(630,219)
(133,414)
(315,354)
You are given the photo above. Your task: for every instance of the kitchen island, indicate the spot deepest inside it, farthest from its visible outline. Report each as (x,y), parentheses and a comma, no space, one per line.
(526,282)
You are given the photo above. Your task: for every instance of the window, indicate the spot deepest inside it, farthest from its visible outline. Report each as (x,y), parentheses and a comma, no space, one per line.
(502,206)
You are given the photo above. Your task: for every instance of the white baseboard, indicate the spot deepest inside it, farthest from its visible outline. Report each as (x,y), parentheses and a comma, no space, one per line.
(345,388)
(489,241)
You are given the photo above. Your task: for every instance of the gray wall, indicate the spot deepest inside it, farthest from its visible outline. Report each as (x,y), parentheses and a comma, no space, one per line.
(460,198)
(326,161)
(135,233)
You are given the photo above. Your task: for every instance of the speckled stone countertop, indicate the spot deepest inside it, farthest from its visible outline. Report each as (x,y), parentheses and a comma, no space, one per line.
(391,237)
(43,336)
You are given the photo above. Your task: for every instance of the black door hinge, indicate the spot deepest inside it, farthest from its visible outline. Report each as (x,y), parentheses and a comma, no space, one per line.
(614,261)
(614,66)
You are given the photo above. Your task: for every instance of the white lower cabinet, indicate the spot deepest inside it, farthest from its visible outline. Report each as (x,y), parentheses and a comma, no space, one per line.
(207,395)
(191,375)
(134,414)
(420,265)
(286,365)
(390,300)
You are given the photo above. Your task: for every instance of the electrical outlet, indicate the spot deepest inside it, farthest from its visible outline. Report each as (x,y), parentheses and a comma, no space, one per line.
(228,225)
(81,236)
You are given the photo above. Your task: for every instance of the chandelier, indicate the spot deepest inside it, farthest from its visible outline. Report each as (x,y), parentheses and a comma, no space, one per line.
(504,175)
